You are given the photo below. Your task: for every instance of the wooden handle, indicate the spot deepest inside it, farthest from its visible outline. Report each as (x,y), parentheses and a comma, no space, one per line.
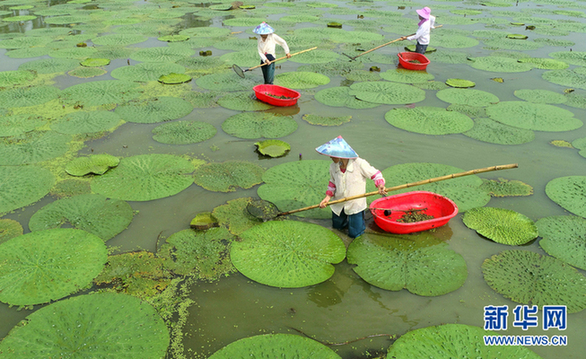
(412,184)
(383,45)
(280,58)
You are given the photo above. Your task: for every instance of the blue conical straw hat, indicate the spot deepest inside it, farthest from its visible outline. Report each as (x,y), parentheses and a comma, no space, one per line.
(337,148)
(263,29)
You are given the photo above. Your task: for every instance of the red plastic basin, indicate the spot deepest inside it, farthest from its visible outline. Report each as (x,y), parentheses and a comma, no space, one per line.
(264,92)
(441,208)
(405,57)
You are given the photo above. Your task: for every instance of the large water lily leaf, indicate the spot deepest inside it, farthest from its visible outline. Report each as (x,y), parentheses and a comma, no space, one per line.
(424,267)
(204,253)
(19,124)
(340,97)
(235,216)
(86,122)
(244,58)
(546,64)
(316,57)
(98,93)
(23,185)
(453,341)
(92,213)
(206,32)
(387,93)
(227,176)
(49,66)
(87,72)
(569,192)
(295,185)
(25,42)
(301,80)
(42,266)
(27,96)
(97,164)
(184,132)
(70,188)
(448,57)
(10,78)
(227,81)
(145,177)
(154,110)
(454,41)
(468,97)
(490,131)
(571,57)
(257,125)
(540,96)
(506,188)
(464,191)
(119,39)
(9,229)
(499,64)
(146,71)
(287,254)
(28,52)
(243,101)
(73,53)
(534,116)
(572,78)
(429,120)
(99,324)
(285,346)
(530,278)
(564,237)
(162,54)
(406,76)
(326,120)
(33,147)
(501,225)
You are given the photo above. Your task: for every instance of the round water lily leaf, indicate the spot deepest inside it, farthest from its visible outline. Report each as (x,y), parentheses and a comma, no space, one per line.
(146,71)
(387,93)
(470,111)
(499,64)
(70,188)
(206,31)
(48,265)
(564,237)
(273,148)
(243,101)
(162,54)
(145,177)
(154,110)
(487,130)
(23,185)
(362,75)
(173,38)
(183,132)
(32,147)
(546,64)
(227,81)
(257,125)
(86,122)
(27,96)
(10,78)
(517,36)
(301,80)
(406,76)
(103,323)
(572,78)
(460,83)
(448,57)
(316,57)
(19,124)
(287,254)
(25,42)
(571,57)
(49,66)
(9,229)
(530,278)
(569,192)
(506,188)
(453,341)
(468,97)
(98,93)
(576,100)
(227,176)
(87,72)
(97,164)
(540,96)
(454,41)
(429,120)
(119,39)
(501,225)
(534,116)
(326,120)
(295,185)
(174,79)
(235,216)
(244,58)
(92,213)
(203,253)
(341,97)
(424,267)
(285,346)
(28,52)
(73,53)
(95,62)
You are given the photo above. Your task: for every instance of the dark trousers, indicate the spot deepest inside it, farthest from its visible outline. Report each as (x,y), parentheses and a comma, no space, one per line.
(420,49)
(268,71)
(355,223)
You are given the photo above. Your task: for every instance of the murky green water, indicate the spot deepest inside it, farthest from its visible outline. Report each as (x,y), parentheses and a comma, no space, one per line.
(345,308)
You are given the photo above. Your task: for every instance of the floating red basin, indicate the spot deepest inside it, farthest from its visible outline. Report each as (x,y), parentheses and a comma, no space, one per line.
(271,93)
(405,59)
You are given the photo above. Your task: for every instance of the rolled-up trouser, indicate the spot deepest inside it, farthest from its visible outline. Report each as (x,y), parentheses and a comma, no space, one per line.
(268,71)
(420,49)
(354,222)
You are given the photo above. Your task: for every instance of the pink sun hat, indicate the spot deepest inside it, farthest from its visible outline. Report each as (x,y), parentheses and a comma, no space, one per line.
(337,147)
(424,13)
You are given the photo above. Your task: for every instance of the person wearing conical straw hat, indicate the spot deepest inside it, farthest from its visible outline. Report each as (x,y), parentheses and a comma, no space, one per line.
(348,175)
(266,49)
(426,23)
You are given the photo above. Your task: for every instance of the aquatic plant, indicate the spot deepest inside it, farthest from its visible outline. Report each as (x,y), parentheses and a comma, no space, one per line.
(501,225)
(9,229)
(146,71)
(540,96)
(491,131)
(534,116)
(228,176)
(234,215)
(243,101)
(273,148)
(86,122)
(569,193)
(254,125)
(326,120)
(429,120)
(98,93)
(506,188)
(301,80)
(342,97)
(183,132)
(563,237)
(154,110)
(406,76)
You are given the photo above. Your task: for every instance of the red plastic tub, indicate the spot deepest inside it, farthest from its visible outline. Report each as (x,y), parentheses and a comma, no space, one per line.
(264,92)
(441,208)
(405,57)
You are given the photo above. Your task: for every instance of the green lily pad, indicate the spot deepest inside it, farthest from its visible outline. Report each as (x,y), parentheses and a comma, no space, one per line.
(362,75)
(530,278)
(17,125)
(449,57)
(386,93)
(571,57)
(49,66)
(203,253)
(576,100)
(579,143)
(28,52)
(173,79)
(273,148)
(145,177)
(119,39)
(183,132)
(468,97)
(470,111)
(97,164)
(285,346)
(10,78)
(487,130)
(173,38)
(429,120)
(235,216)
(424,267)
(32,147)
(287,254)
(341,97)
(243,101)
(572,78)
(86,122)
(564,238)
(146,71)
(506,188)
(154,110)
(316,57)
(326,120)
(225,82)
(517,36)
(546,64)
(227,176)
(70,188)
(162,54)
(534,116)
(460,83)
(9,229)
(406,76)
(245,58)
(501,225)
(454,41)
(98,93)
(93,62)
(25,42)
(540,96)
(298,184)
(203,221)
(87,72)
(499,64)
(569,192)
(48,265)
(206,32)
(301,80)
(27,96)
(73,53)
(97,328)
(92,213)
(253,125)
(28,184)
(453,341)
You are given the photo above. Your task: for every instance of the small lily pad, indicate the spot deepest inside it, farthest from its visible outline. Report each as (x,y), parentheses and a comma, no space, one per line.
(173,38)
(90,62)
(97,164)
(203,221)
(517,36)
(501,225)
(460,83)
(273,148)
(174,79)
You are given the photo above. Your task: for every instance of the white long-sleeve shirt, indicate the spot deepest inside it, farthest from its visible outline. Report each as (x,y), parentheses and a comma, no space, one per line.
(423,32)
(268,46)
